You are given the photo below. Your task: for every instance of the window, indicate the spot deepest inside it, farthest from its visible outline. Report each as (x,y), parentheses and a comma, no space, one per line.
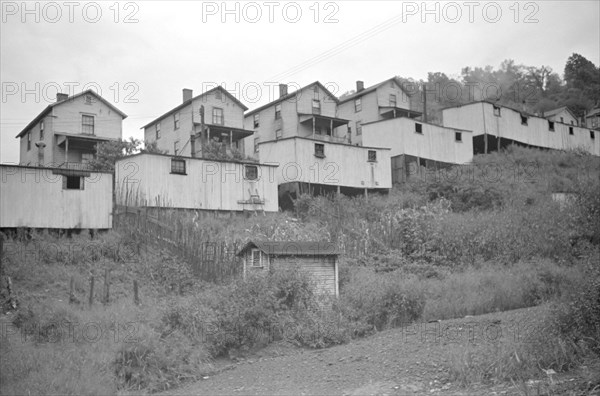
(572,122)
(158,130)
(592,135)
(250,172)
(392,100)
(570,130)
(316,106)
(458,136)
(218,95)
(278,134)
(357,105)
(316,90)
(257,258)
(88,99)
(256,140)
(256,120)
(551,126)
(278,111)
(372,156)
(42,130)
(217,116)
(176,121)
(28,141)
(359,127)
(562,120)
(87,124)
(319,150)
(523,120)
(418,127)
(178,166)
(72,182)
(176,147)
(497,111)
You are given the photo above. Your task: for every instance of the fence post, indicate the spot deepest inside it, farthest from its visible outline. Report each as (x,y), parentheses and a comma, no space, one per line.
(72,291)
(136,297)
(106,286)
(91,299)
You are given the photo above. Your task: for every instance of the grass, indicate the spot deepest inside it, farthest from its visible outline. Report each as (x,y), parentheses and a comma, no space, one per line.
(426,252)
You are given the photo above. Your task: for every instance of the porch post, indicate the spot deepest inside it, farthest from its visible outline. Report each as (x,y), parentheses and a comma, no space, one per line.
(313,126)
(67,151)
(331,127)
(230,139)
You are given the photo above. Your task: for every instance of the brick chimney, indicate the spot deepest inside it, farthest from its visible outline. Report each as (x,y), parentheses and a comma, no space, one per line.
(283,90)
(360,85)
(61,96)
(187,94)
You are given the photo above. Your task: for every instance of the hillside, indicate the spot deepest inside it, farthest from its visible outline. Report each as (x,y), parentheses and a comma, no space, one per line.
(481,239)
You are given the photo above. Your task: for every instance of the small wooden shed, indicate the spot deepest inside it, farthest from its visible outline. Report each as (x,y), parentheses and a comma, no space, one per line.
(319,259)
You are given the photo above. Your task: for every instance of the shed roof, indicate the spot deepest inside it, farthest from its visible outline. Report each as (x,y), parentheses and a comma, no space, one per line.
(292,248)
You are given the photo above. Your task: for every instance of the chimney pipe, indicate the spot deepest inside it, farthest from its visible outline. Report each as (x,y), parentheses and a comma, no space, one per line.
(187,94)
(360,85)
(283,90)
(61,96)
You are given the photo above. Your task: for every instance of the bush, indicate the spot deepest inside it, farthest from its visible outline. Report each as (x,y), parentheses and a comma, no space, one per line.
(382,300)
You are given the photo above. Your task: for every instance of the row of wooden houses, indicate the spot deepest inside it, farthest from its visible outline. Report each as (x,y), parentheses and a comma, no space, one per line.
(304,141)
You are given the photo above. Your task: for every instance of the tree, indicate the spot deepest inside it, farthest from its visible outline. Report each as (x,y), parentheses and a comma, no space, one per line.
(108,153)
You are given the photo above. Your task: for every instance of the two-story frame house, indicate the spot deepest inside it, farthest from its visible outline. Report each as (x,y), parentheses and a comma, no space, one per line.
(65,134)
(381,101)
(302,134)
(178,131)
(592,119)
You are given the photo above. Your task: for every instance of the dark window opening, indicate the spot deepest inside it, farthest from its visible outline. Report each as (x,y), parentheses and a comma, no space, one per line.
(551,126)
(418,128)
(592,135)
(319,150)
(176,121)
(570,130)
(256,120)
(28,141)
(87,124)
(316,106)
(523,120)
(73,183)
(357,105)
(423,162)
(178,166)
(372,156)
(251,172)
(358,128)
(277,111)
(458,136)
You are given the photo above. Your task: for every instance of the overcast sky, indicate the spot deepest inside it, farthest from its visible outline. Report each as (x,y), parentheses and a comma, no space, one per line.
(139,55)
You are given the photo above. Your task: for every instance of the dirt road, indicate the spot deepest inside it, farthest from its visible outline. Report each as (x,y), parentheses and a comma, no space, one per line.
(412,360)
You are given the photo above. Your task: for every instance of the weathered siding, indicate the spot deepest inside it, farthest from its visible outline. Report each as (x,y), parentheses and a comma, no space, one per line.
(35,198)
(565,117)
(68,117)
(480,118)
(344,165)
(434,143)
(322,270)
(169,135)
(146,180)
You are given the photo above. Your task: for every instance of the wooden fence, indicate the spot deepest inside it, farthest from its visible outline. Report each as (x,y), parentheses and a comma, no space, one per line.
(210,260)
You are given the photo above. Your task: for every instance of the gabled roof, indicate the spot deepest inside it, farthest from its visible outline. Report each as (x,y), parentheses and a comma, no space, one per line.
(556,111)
(372,88)
(67,100)
(593,112)
(496,104)
(291,95)
(292,248)
(189,101)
